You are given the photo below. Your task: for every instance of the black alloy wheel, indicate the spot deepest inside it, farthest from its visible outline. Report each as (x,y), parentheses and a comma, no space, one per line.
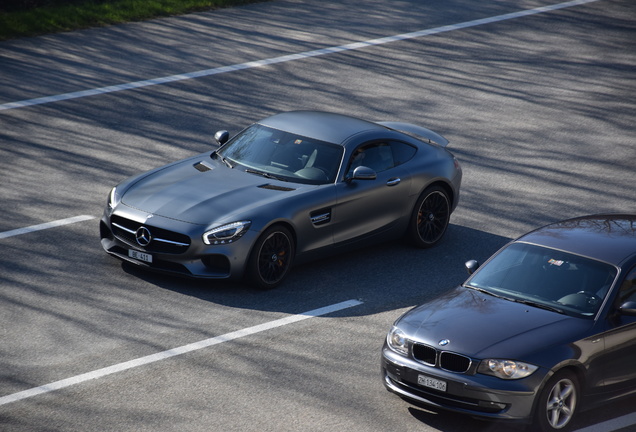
(430,217)
(271,258)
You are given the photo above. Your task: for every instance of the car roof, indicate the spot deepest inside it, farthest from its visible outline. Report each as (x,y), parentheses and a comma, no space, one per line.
(606,237)
(323,126)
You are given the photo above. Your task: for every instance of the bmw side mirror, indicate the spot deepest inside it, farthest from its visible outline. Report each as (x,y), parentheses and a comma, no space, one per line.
(471,266)
(222,136)
(628,308)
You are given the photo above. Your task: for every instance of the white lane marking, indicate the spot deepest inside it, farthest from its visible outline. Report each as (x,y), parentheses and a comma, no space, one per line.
(175,352)
(44,226)
(289,57)
(612,425)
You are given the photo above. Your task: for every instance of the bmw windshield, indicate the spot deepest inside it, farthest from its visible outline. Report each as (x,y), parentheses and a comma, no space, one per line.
(277,154)
(546,278)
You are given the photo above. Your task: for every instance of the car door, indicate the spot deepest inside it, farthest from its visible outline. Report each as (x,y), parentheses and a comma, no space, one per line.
(616,366)
(367,208)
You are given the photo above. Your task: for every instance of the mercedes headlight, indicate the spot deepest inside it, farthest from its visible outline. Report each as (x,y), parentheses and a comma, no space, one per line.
(506,369)
(227,233)
(113,199)
(397,341)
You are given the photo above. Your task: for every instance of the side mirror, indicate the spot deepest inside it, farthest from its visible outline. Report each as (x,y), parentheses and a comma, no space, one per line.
(222,136)
(471,266)
(363,173)
(628,308)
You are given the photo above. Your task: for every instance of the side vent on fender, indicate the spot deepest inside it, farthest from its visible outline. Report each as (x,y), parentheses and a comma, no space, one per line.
(320,217)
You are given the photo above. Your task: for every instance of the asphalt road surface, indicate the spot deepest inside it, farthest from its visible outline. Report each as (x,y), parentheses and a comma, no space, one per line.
(537,97)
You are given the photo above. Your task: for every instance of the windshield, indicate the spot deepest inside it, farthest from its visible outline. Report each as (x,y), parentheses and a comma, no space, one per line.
(261,150)
(548,278)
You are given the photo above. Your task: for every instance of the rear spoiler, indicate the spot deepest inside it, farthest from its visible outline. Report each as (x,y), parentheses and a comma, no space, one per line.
(417,131)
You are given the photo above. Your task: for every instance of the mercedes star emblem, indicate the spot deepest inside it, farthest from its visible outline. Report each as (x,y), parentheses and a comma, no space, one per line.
(143,236)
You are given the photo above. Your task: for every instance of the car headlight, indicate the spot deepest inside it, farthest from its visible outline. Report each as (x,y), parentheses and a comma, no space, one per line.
(227,233)
(113,199)
(397,341)
(506,369)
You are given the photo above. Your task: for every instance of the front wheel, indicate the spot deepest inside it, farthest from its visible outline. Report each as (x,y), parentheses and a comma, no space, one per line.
(430,217)
(558,402)
(271,258)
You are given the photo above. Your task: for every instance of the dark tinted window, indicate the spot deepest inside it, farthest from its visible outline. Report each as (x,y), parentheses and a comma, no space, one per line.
(402,152)
(287,156)
(381,156)
(628,288)
(550,277)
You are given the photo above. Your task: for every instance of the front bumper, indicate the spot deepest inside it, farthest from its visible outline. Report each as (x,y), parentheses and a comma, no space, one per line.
(192,258)
(475,395)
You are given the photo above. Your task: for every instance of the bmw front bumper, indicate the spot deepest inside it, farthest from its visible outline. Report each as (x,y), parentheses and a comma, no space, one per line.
(475,395)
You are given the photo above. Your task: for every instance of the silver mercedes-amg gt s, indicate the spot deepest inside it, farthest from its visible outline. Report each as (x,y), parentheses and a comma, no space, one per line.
(292,187)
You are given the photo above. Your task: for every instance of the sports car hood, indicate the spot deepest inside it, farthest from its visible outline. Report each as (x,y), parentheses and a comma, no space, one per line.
(199,191)
(483,326)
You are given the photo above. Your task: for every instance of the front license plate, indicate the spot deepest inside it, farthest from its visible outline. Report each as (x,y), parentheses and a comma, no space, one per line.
(433,383)
(141,256)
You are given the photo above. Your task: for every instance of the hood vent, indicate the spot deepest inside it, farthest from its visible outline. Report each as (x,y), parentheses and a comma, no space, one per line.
(203,167)
(278,188)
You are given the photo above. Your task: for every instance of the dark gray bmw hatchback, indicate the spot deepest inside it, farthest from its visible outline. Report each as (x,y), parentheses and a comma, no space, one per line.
(545,327)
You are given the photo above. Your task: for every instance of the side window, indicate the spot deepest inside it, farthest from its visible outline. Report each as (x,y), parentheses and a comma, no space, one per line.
(402,152)
(628,288)
(378,156)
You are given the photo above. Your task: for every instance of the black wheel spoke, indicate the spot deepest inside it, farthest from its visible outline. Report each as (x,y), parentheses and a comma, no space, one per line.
(433,217)
(273,260)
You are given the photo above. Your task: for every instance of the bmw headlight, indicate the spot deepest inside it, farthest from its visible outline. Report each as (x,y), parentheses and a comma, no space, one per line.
(227,233)
(506,369)
(397,341)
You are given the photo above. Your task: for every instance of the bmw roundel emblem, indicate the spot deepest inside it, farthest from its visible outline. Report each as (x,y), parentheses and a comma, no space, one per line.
(444,342)
(143,236)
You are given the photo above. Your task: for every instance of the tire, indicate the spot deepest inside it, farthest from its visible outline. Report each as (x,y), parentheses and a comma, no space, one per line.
(271,258)
(557,403)
(430,218)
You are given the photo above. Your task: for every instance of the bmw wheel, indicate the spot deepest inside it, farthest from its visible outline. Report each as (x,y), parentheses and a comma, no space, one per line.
(271,258)
(558,402)
(430,217)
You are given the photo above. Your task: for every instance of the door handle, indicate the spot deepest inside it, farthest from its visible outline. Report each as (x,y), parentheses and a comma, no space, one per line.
(393,181)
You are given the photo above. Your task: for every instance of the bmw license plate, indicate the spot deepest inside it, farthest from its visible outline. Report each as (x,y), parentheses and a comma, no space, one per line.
(433,383)
(141,256)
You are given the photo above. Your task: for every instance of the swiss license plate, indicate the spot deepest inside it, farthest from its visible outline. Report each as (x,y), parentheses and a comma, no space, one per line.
(141,256)
(433,383)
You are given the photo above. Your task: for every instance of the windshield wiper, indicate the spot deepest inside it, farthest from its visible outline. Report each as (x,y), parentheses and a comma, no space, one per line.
(525,302)
(485,291)
(264,174)
(539,305)
(225,161)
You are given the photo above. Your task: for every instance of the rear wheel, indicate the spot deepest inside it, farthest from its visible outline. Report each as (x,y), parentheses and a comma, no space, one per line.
(558,402)
(430,217)
(271,258)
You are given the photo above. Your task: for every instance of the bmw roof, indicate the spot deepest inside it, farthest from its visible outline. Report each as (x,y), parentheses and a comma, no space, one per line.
(606,237)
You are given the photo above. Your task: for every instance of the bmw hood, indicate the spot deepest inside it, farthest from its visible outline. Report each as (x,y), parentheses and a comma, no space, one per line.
(483,326)
(198,190)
